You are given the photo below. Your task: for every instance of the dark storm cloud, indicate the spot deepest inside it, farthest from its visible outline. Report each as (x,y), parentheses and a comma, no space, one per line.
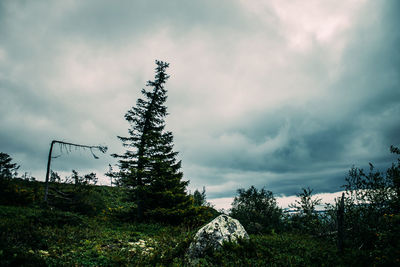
(354,124)
(257,95)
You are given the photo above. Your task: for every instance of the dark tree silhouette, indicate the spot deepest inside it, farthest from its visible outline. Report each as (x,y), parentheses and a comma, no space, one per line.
(8,169)
(149,168)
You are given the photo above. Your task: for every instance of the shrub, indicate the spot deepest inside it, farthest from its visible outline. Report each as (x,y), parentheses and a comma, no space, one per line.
(274,250)
(306,219)
(371,212)
(76,194)
(257,210)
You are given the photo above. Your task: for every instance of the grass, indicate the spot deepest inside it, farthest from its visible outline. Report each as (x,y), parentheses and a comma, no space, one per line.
(31,235)
(59,238)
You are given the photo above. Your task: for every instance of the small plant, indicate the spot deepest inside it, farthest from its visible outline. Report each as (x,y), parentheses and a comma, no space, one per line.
(306,219)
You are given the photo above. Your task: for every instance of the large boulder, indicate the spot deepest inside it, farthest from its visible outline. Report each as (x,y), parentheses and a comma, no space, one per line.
(212,235)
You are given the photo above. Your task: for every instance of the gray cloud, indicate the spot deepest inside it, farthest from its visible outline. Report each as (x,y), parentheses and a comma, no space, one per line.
(257,95)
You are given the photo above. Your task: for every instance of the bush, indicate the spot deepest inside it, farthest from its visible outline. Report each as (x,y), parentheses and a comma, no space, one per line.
(191,217)
(199,215)
(13,190)
(274,250)
(76,194)
(257,210)
(19,192)
(371,214)
(306,219)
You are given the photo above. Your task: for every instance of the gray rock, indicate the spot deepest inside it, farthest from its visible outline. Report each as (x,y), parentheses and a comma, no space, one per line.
(212,235)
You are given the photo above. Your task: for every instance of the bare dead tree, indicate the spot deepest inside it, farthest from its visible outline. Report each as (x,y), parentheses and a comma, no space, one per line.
(68,147)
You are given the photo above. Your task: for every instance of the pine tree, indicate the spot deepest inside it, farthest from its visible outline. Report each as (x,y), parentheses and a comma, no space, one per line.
(8,170)
(149,168)
(199,199)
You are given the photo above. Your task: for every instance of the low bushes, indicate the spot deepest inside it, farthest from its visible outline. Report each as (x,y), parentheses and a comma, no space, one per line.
(45,237)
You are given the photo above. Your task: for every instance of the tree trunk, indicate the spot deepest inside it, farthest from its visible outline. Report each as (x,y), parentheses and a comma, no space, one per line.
(46,192)
(340,219)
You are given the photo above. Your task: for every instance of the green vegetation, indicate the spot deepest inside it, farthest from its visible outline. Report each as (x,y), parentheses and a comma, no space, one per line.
(257,210)
(107,234)
(306,219)
(45,237)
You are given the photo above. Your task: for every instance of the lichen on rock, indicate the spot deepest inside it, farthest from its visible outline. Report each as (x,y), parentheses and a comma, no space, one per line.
(214,234)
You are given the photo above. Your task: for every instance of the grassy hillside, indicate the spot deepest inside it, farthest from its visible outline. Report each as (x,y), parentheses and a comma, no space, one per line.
(103,233)
(35,236)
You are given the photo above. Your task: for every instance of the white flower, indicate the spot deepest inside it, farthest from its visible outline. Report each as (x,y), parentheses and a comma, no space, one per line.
(44,253)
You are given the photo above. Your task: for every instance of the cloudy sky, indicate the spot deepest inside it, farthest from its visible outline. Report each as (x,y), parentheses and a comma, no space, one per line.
(281,94)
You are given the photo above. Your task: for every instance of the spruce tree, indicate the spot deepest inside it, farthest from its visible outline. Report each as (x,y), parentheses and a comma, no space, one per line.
(149,168)
(8,170)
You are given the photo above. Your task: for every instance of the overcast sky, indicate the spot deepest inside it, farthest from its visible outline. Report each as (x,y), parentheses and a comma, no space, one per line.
(281,94)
